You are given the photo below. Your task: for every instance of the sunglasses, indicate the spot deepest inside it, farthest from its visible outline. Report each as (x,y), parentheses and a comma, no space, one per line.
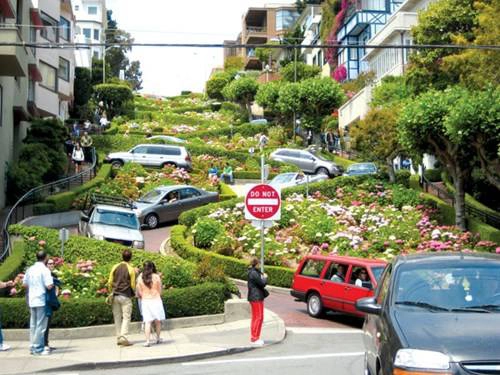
(50,263)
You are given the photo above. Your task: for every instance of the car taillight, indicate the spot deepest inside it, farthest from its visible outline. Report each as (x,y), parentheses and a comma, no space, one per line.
(188,158)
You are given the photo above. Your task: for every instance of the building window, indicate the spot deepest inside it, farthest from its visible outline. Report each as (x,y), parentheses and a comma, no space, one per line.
(320,58)
(92,10)
(77,8)
(64,67)
(64,29)
(49,31)
(49,76)
(96,55)
(87,33)
(315,62)
(19,13)
(96,34)
(285,19)
(31,91)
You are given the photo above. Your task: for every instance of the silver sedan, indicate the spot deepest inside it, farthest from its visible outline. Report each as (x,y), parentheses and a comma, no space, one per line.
(166,203)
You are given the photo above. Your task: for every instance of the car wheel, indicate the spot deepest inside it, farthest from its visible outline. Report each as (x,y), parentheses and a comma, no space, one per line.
(314,305)
(115,164)
(152,221)
(322,170)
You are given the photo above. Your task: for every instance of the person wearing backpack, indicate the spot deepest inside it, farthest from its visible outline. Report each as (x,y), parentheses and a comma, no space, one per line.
(52,304)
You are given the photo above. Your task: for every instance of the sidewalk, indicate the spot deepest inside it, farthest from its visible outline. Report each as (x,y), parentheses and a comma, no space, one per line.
(179,345)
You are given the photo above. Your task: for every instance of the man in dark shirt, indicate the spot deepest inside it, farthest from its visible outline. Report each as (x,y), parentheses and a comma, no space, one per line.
(121,283)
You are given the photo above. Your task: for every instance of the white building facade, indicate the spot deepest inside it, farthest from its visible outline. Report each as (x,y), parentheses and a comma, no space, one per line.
(91,22)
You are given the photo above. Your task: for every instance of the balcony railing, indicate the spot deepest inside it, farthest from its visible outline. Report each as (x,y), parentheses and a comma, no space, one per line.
(256,29)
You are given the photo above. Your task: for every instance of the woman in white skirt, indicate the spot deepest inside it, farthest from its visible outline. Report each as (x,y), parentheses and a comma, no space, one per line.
(149,292)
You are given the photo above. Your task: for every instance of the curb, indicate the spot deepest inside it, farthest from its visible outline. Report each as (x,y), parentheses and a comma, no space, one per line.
(149,362)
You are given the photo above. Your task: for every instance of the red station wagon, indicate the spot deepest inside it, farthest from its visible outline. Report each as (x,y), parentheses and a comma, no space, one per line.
(335,282)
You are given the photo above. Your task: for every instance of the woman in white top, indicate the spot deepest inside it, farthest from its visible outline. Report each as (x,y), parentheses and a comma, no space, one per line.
(78,157)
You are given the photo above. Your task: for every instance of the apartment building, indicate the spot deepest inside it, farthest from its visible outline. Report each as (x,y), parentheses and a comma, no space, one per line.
(261,25)
(91,22)
(34,82)
(310,22)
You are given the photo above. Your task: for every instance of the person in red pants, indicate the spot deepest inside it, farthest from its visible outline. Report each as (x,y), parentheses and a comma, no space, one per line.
(256,293)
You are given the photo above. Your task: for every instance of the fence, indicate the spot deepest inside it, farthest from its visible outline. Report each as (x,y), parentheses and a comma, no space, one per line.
(23,208)
(443,194)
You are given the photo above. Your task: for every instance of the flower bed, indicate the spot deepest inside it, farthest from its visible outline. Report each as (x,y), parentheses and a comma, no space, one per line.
(370,219)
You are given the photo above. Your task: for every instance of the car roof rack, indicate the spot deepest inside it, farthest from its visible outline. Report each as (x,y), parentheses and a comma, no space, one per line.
(112,201)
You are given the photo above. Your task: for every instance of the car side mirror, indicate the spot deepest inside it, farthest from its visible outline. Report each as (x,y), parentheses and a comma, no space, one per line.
(84,218)
(368,305)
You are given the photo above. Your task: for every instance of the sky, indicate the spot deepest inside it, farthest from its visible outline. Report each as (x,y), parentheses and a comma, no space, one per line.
(168,71)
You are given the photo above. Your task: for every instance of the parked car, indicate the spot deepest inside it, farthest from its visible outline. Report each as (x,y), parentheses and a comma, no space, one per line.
(360,169)
(168,138)
(306,161)
(111,219)
(335,282)
(435,314)
(166,203)
(152,155)
(284,180)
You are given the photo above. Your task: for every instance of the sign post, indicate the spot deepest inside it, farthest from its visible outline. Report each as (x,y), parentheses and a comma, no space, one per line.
(63,237)
(262,206)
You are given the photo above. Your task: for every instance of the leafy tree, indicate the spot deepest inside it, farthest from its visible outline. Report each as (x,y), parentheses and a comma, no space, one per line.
(375,137)
(133,75)
(476,68)
(302,70)
(267,96)
(114,96)
(443,22)
(82,88)
(422,129)
(234,63)
(289,100)
(97,71)
(391,91)
(475,121)
(264,54)
(319,97)
(216,84)
(241,91)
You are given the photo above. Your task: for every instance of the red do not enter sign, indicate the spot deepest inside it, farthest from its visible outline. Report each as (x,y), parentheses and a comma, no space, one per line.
(263,202)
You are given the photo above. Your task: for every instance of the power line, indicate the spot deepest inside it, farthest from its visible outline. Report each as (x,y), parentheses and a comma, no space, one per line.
(54,45)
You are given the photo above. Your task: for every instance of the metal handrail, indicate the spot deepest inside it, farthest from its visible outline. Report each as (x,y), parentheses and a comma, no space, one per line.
(486,217)
(33,196)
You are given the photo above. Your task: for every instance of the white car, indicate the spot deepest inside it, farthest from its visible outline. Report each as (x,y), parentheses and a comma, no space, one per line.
(152,155)
(285,180)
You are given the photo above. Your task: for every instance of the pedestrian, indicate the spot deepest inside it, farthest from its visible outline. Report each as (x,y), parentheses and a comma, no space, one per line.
(256,293)
(227,174)
(86,142)
(78,157)
(213,171)
(149,291)
(103,121)
(121,283)
(38,281)
(52,302)
(309,137)
(76,130)
(4,347)
(330,140)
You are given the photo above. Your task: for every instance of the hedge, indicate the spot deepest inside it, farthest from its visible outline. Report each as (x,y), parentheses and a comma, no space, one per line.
(106,253)
(188,218)
(237,268)
(14,263)
(226,193)
(251,175)
(64,201)
(202,299)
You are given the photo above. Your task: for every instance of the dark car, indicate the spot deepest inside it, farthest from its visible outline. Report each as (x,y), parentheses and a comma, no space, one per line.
(361,169)
(435,314)
(166,203)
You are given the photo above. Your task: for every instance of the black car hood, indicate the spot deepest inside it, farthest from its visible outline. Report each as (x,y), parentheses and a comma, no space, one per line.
(462,336)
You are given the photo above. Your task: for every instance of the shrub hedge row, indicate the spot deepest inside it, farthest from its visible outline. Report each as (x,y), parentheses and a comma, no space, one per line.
(237,268)
(13,264)
(188,218)
(226,193)
(64,201)
(196,300)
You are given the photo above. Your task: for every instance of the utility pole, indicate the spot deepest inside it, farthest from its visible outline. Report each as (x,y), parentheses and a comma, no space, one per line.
(294,80)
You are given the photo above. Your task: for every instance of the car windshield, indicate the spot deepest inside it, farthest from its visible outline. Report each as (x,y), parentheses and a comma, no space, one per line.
(465,286)
(283,178)
(117,218)
(362,168)
(151,197)
(377,272)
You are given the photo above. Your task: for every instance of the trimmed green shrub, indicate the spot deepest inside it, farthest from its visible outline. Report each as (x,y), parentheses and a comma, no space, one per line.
(205,231)
(204,299)
(278,276)
(487,232)
(14,263)
(188,218)
(414,182)
(43,208)
(433,175)
(251,175)
(62,201)
(114,96)
(403,177)
(226,193)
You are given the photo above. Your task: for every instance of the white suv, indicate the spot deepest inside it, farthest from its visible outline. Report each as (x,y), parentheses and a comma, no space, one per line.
(152,155)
